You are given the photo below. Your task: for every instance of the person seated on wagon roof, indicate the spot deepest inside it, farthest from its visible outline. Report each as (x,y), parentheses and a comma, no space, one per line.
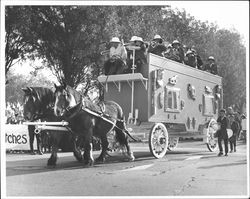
(140,57)
(178,51)
(191,59)
(169,53)
(157,46)
(211,66)
(117,58)
(129,48)
(199,61)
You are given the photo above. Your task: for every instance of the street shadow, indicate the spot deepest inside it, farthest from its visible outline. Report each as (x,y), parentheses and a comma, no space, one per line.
(22,167)
(30,166)
(240,162)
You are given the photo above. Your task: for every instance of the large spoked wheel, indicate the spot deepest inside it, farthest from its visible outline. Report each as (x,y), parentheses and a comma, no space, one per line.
(172,143)
(158,140)
(212,141)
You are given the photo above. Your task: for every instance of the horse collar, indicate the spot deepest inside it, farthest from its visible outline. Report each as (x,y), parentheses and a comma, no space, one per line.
(71,112)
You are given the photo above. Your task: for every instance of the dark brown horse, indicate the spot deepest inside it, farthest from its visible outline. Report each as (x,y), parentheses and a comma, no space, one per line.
(85,120)
(38,104)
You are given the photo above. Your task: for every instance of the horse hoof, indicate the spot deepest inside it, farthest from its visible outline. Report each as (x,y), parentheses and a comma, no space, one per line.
(131,159)
(78,157)
(89,164)
(40,153)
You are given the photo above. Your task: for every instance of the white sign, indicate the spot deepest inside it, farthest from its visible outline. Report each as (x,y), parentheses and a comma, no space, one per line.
(17,137)
(244,124)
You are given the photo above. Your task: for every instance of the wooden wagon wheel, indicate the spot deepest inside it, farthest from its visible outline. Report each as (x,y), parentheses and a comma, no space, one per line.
(212,142)
(172,143)
(158,140)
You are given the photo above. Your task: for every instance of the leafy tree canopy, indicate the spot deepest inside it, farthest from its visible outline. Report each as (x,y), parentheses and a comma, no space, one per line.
(70,38)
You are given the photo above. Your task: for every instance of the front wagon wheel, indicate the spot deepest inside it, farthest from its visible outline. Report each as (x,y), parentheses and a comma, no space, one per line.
(212,142)
(158,140)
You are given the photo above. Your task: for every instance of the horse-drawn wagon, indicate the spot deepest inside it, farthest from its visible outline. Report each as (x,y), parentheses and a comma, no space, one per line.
(167,100)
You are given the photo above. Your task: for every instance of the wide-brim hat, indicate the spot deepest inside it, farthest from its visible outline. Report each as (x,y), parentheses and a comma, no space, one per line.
(115,40)
(211,58)
(189,52)
(157,37)
(139,39)
(133,38)
(223,110)
(176,42)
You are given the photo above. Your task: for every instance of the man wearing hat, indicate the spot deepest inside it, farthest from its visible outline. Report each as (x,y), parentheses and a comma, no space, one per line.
(129,51)
(169,52)
(117,58)
(199,61)
(211,66)
(156,46)
(222,132)
(140,54)
(191,59)
(178,51)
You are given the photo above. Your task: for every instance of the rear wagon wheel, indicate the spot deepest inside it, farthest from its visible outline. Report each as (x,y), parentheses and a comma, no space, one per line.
(158,140)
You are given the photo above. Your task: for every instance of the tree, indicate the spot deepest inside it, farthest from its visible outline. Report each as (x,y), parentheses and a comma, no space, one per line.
(18,43)
(231,58)
(13,90)
(70,38)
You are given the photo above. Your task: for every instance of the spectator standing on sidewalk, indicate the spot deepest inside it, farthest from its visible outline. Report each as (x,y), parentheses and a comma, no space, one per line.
(238,120)
(235,128)
(222,132)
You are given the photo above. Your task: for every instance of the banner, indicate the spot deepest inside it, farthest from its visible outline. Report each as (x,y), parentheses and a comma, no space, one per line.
(17,137)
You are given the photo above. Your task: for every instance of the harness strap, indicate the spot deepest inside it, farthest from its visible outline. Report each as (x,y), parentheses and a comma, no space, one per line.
(102,116)
(109,121)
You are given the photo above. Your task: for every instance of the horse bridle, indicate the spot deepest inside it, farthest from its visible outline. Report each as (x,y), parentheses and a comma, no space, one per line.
(65,93)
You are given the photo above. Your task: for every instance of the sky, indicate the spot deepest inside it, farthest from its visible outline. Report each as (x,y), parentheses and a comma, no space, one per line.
(227,14)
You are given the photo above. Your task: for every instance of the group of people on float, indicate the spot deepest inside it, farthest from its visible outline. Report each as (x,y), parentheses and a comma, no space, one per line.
(121,55)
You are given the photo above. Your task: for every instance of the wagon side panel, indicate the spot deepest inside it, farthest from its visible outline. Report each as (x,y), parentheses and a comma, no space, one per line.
(179,94)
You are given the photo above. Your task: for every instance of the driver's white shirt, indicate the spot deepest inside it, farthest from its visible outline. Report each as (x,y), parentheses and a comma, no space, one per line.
(120,51)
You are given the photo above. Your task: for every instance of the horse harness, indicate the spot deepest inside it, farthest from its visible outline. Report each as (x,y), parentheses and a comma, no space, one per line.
(100,115)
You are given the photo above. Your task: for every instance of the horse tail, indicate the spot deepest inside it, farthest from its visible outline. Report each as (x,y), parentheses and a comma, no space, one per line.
(122,129)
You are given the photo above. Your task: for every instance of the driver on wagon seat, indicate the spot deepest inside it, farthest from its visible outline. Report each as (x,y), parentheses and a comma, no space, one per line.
(117,58)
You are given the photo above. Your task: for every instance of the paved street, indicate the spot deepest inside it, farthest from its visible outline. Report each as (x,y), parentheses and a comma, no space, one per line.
(190,170)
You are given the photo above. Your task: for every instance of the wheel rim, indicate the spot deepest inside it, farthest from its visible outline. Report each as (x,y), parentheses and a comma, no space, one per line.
(212,142)
(158,140)
(172,143)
